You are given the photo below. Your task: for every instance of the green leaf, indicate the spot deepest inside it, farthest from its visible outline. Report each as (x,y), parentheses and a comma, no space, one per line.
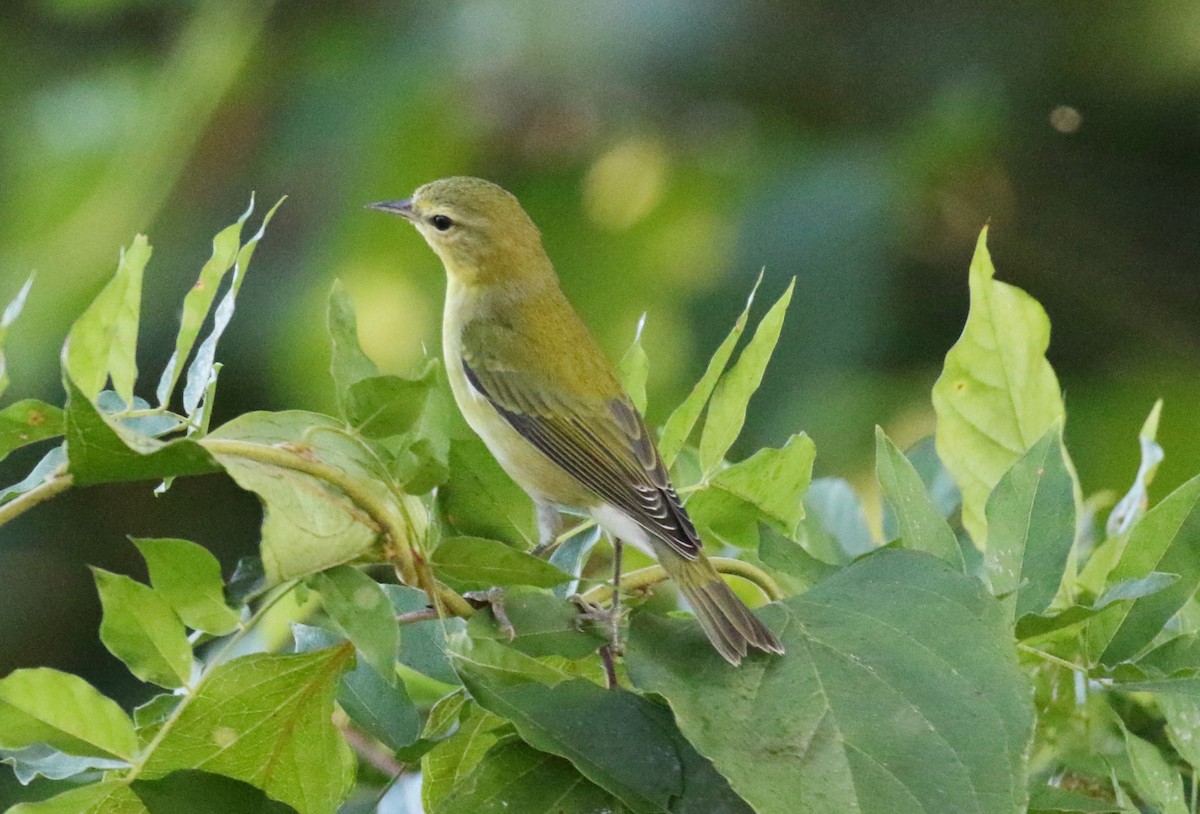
(679,426)
(921,526)
(1054,800)
(424,647)
(774,482)
(11,312)
(546,625)
(194,792)
(1166,540)
(347,364)
(480,500)
(997,394)
(358,605)
(727,410)
(111,797)
(456,757)
(1031,522)
(1155,780)
(103,341)
(512,777)
(199,299)
(48,762)
(266,719)
(201,372)
(63,711)
(142,630)
(835,527)
(791,558)
(103,451)
(572,717)
(722,517)
(308,526)
(188,577)
(384,406)
(898,637)
(481,563)
(1132,506)
(634,369)
(571,555)
(1182,714)
(27,422)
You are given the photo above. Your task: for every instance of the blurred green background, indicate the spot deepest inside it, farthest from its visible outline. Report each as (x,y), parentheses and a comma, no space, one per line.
(669,151)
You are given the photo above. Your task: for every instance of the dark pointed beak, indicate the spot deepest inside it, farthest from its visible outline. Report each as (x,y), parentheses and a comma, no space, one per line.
(402,208)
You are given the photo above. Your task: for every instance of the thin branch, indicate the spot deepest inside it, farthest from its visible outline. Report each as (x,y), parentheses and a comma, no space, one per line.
(643,578)
(51,487)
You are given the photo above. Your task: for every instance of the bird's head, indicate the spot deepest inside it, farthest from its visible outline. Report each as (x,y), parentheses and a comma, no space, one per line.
(477,228)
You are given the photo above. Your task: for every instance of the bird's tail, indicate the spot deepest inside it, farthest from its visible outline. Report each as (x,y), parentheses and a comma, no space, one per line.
(726,621)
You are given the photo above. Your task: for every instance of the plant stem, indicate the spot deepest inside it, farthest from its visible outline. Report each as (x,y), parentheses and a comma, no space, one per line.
(1042,654)
(54,485)
(399,540)
(654,574)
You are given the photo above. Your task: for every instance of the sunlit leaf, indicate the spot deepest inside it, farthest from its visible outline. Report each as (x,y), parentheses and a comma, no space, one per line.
(103,341)
(1132,506)
(898,636)
(456,757)
(1031,522)
(774,481)
(481,563)
(679,426)
(266,719)
(110,797)
(63,711)
(348,364)
(200,373)
(634,369)
(188,577)
(384,406)
(199,300)
(727,409)
(142,630)
(11,312)
(997,394)
(26,422)
(921,525)
(358,605)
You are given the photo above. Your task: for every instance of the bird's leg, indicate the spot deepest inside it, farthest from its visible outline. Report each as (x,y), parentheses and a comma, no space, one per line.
(615,631)
(549,523)
(493,598)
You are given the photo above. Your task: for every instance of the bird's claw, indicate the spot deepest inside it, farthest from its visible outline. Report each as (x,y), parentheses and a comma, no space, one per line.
(494,599)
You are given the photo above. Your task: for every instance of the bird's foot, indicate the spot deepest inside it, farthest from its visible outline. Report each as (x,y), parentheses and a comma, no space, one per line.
(493,598)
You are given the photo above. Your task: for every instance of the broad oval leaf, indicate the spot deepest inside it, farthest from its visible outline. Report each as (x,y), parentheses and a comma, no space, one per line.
(997,394)
(188,577)
(142,630)
(900,692)
(61,710)
(358,605)
(27,422)
(481,563)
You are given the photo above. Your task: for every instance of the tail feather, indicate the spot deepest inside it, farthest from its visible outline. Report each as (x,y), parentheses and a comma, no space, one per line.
(725,620)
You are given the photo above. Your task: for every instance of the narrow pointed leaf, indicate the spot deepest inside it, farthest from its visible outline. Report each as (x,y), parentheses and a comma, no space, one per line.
(43,760)
(481,563)
(921,525)
(1156,781)
(358,605)
(679,426)
(1166,540)
(1031,518)
(634,369)
(61,710)
(142,630)
(347,364)
(1132,506)
(200,372)
(727,410)
(997,394)
(199,300)
(11,312)
(103,341)
(774,481)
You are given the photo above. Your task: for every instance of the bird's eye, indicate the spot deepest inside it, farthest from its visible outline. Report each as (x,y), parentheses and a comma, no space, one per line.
(441,222)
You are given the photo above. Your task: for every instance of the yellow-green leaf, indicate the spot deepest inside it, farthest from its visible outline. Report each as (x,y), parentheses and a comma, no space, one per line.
(997,394)
(41,705)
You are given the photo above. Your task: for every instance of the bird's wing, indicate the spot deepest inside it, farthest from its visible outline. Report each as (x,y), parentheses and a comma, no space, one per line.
(603,444)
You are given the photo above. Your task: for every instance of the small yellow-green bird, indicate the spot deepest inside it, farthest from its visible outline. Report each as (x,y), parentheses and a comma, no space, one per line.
(532,382)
